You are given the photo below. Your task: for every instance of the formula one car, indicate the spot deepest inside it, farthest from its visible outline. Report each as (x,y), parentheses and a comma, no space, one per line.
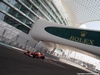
(35,54)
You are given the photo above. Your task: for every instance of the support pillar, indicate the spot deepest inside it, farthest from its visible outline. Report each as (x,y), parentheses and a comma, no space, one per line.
(36,45)
(55,46)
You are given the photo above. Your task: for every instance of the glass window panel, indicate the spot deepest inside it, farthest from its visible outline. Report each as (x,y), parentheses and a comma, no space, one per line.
(17,5)
(26,2)
(14,23)
(21,17)
(29,23)
(49,16)
(2,16)
(17,15)
(31,15)
(36,2)
(11,21)
(53,20)
(4,6)
(34,9)
(13,12)
(24,10)
(23,28)
(43,1)
(40,14)
(13,2)
(46,13)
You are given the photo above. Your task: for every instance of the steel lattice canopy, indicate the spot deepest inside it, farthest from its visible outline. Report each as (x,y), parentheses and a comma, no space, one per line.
(82,11)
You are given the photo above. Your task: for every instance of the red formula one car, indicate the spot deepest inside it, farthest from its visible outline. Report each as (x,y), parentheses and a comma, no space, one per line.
(35,54)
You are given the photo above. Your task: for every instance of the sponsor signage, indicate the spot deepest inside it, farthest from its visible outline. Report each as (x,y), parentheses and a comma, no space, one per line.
(76,35)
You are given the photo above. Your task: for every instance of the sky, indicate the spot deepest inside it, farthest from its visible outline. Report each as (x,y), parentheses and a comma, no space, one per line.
(95,25)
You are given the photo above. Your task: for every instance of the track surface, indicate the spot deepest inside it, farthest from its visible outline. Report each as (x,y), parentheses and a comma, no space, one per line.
(13,62)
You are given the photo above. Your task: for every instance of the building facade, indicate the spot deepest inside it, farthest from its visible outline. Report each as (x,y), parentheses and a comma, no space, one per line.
(22,14)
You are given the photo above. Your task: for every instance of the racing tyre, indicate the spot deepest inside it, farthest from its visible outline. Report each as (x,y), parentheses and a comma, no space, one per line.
(43,57)
(33,56)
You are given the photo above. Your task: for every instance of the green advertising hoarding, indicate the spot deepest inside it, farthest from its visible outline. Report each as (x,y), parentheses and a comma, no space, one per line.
(77,35)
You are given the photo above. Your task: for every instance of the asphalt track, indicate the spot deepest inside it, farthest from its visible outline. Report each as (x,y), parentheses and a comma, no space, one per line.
(13,62)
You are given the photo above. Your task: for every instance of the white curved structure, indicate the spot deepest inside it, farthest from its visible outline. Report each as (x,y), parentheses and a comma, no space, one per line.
(79,38)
